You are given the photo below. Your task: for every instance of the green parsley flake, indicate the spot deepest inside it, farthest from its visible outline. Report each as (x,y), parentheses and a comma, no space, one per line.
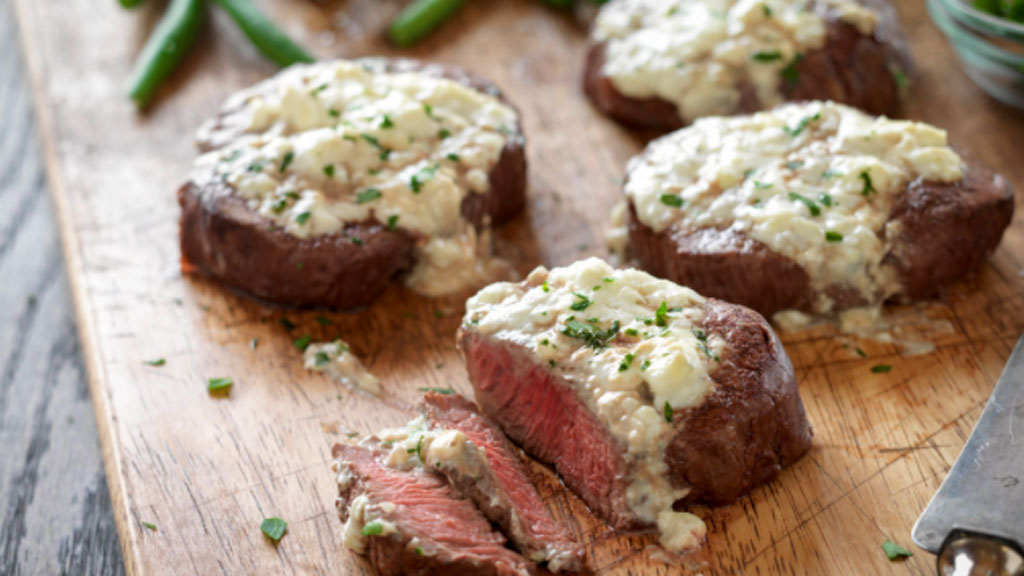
(302,342)
(321,358)
(286,323)
(392,221)
(825,199)
(811,206)
(581,303)
(274,528)
(367,195)
(453,157)
(645,365)
(155,362)
(443,391)
(302,218)
(762,185)
(766,56)
(661,315)
(215,385)
(373,529)
(444,133)
(591,336)
(627,361)
(833,236)
(419,178)
(880,368)
(668,412)
(869,187)
(329,170)
(671,200)
(894,551)
(150,526)
(802,125)
(386,122)
(324,321)
(285,162)
(791,74)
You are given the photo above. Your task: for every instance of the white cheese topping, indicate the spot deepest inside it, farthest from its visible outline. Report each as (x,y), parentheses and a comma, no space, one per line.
(702,54)
(336,358)
(629,342)
(321,146)
(814,182)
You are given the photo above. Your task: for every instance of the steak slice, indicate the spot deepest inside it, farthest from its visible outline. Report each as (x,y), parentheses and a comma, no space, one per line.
(410,522)
(741,434)
(501,486)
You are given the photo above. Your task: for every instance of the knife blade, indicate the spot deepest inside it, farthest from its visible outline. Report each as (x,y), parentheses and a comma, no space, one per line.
(979,509)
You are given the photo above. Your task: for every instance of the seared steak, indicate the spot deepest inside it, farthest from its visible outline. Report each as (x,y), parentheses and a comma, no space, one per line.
(410,522)
(500,486)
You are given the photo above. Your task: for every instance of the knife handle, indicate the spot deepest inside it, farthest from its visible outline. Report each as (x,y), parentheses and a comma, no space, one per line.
(966,553)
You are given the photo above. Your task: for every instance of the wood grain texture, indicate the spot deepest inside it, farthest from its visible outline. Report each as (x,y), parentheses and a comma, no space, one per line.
(55,515)
(207,470)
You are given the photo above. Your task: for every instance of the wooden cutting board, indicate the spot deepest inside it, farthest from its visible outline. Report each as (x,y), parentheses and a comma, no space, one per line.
(205,470)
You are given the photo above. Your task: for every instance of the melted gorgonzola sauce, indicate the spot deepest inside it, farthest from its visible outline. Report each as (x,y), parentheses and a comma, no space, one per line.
(632,346)
(701,54)
(336,358)
(320,146)
(813,181)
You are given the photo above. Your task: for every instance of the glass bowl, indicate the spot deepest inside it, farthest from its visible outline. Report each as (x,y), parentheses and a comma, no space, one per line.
(991,48)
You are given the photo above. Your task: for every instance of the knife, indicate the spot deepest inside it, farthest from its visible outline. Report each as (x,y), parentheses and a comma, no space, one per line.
(975,522)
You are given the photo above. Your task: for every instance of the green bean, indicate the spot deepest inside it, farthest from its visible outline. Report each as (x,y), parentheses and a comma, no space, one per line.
(421,18)
(167,45)
(264,35)
(130,3)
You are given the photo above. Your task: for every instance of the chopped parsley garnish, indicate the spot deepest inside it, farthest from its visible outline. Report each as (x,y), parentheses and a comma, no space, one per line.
(767,10)
(830,173)
(591,336)
(384,152)
(794,165)
(661,315)
(581,303)
(392,221)
(894,551)
(545,287)
(551,363)
(453,157)
(702,344)
(324,321)
(274,528)
(796,130)
(627,361)
(791,74)
(833,236)
(766,56)
(645,365)
(860,352)
(869,187)
(254,343)
(150,526)
(419,551)
(825,199)
(438,313)
(424,175)
(302,218)
(255,167)
(444,133)
(302,342)
(880,368)
(367,195)
(286,323)
(762,185)
(418,450)
(316,91)
(286,161)
(429,110)
(444,391)
(333,113)
(321,358)
(215,385)
(811,206)
(373,529)
(671,200)
(356,240)
(386,122)
(156,362)
(329,170)
(632,332)
(668,412)
(279,206)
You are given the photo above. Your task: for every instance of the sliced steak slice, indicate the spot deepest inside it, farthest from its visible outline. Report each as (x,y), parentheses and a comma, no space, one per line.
(500,485)
(410,522)
(742,423)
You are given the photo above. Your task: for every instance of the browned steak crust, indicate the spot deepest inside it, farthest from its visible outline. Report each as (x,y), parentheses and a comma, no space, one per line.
(946,232)
(851,69)
(222,238)
(751,426)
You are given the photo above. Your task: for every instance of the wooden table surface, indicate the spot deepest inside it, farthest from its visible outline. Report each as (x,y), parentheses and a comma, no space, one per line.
(205,470)
(55,513)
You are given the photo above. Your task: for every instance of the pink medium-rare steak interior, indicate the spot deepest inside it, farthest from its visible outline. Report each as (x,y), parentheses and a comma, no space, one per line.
(511,499)
(542,413)
(457,539)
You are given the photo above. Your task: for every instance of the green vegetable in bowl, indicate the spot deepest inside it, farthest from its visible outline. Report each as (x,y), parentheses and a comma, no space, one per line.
(1009,9)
